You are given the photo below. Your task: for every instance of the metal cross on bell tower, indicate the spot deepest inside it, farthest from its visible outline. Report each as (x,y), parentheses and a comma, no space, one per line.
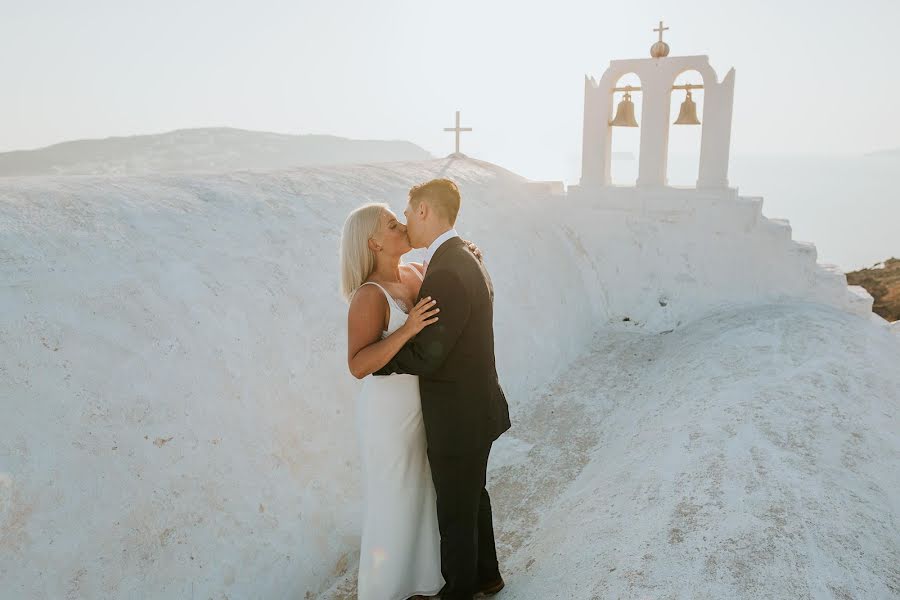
(457,129)
(660,29)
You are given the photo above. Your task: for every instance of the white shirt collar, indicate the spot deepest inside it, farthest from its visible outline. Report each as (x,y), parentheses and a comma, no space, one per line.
(429,253)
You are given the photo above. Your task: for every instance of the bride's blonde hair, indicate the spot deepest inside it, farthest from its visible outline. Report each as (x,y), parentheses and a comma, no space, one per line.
(357,259)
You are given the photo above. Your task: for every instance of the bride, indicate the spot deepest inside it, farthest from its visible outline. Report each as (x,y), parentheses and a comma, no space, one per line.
(400,550)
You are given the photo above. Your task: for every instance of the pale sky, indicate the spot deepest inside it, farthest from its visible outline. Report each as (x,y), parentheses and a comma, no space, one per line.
(812,76)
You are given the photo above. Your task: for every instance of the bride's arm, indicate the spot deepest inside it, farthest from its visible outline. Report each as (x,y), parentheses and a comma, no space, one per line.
(366,351)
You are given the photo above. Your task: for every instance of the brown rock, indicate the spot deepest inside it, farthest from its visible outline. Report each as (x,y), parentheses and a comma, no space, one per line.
(883,282)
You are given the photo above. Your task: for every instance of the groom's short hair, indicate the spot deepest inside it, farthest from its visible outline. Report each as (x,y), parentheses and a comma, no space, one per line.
(442,196)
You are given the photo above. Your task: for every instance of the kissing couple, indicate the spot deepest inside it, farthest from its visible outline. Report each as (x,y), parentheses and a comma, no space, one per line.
(421,337)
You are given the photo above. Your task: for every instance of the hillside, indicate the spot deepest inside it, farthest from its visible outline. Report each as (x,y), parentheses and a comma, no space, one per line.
(200,150)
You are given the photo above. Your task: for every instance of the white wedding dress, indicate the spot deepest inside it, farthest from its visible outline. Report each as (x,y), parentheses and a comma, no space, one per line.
(400,551)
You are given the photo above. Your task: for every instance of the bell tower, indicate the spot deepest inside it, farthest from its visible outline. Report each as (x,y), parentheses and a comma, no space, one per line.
(657,82)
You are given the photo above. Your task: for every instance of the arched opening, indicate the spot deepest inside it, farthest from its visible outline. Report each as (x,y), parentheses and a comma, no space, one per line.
(684,140)
(626,141)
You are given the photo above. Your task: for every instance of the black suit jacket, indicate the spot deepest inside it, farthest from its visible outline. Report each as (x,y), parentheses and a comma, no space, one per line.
(463,406)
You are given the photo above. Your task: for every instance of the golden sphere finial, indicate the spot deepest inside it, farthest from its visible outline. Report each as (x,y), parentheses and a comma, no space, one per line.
(659,50)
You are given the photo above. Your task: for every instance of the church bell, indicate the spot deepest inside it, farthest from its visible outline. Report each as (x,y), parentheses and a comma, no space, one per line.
(625,113)
(688,113)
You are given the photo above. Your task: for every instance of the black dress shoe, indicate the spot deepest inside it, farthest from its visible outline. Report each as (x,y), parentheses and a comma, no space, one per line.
(490,588)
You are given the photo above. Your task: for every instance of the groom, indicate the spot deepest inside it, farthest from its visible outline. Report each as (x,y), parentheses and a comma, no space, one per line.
(463,407)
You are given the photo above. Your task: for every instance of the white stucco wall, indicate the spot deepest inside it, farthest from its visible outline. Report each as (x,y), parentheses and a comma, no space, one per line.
(177,415)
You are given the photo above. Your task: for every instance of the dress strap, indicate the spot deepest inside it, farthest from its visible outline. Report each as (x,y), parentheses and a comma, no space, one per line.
(387,294)
(418,274)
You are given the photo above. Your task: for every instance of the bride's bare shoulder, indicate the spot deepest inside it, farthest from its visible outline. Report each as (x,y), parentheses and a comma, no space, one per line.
(367,317)
(367,297)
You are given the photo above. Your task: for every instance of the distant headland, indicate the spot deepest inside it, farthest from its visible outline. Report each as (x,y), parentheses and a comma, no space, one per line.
(204,149)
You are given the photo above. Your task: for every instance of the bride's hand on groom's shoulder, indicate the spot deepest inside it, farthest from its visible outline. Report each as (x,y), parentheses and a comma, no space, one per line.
(474,249)
(421,316)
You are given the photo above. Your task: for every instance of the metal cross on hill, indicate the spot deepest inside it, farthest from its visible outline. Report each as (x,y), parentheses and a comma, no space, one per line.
(457,129)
